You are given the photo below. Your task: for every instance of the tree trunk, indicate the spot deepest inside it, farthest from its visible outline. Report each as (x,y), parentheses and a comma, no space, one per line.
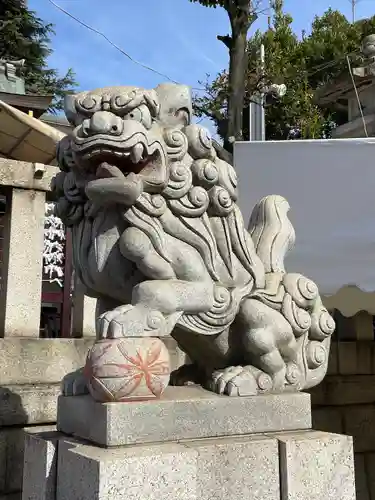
(237,72)
(241,16)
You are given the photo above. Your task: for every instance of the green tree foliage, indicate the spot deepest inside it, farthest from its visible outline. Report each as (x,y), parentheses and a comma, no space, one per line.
(25,36)
(303,63)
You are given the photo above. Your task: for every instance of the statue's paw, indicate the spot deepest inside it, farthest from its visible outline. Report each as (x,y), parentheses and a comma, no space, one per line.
(186,375)
(74,384)
(130,321)
(239,381)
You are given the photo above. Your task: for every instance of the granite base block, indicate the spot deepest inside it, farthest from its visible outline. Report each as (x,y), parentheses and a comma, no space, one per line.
(181,413)
(316,465)
(218,469)
(304,465)
(40,466)
(11,458)
(28,404)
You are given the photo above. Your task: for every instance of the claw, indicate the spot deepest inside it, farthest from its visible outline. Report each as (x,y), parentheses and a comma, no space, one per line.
(74,384)
(130,321)
(239,381)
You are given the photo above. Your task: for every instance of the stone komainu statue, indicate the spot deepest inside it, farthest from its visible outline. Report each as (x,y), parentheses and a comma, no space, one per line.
(159,239)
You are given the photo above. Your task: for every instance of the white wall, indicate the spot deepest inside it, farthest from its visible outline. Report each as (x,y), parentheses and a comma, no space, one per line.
(330,186)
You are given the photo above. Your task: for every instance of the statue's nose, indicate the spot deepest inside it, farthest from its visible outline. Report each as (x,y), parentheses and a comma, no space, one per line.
(103,122)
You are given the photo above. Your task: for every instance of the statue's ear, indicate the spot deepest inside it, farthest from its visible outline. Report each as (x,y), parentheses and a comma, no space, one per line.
(70,108)
(183,117)
(175,102)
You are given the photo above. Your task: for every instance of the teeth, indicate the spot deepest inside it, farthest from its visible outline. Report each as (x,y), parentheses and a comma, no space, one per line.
(137,152)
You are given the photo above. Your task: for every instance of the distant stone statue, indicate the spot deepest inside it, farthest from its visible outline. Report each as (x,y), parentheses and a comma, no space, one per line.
(9,81)
(159,239)
(368,65)
(368,46)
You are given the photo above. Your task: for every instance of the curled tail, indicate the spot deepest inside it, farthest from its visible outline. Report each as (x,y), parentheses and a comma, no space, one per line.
(272,232)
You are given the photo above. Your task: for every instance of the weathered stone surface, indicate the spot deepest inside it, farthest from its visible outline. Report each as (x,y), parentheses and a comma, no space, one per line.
(28,404)
(135,473)
(14,460)
(40,466)
(177,356)
(21,174)
(40,361)
(22,249)
(209,469)
(230,468)
(181,413)
(316,465)
(11,457)
(47,361)
(11,460)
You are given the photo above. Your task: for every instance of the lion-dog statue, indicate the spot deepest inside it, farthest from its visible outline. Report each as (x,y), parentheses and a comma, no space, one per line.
(159,240)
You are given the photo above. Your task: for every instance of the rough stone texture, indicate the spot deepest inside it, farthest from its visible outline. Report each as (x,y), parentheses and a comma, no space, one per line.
(21,174)
(14,460)
(22,249)
(316,465)
(150,473)
(11,458)
(176,355)
(230,468)
(40,361)
(31,373)
(28,404)
(40,466)
(210,469)
(178,259)
(181,413)
(304,465)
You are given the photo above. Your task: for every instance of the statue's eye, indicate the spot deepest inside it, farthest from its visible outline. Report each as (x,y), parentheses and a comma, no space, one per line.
(141,114)
(89,104)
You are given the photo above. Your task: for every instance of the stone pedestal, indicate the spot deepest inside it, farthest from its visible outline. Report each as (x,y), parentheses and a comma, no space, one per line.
(189,445)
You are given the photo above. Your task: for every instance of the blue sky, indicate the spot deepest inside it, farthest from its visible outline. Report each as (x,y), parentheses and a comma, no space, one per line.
(176,37)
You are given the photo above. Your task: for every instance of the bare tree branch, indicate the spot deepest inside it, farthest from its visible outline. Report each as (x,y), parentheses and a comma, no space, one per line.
(226,39)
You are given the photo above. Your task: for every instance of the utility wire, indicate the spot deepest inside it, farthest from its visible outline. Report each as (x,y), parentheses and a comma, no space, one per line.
(357,96)
(312,71)
(94,30)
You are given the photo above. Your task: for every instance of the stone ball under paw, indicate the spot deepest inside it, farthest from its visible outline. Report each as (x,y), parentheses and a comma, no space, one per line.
(119,370)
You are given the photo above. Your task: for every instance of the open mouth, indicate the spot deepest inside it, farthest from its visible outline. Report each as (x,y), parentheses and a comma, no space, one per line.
(122,162)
